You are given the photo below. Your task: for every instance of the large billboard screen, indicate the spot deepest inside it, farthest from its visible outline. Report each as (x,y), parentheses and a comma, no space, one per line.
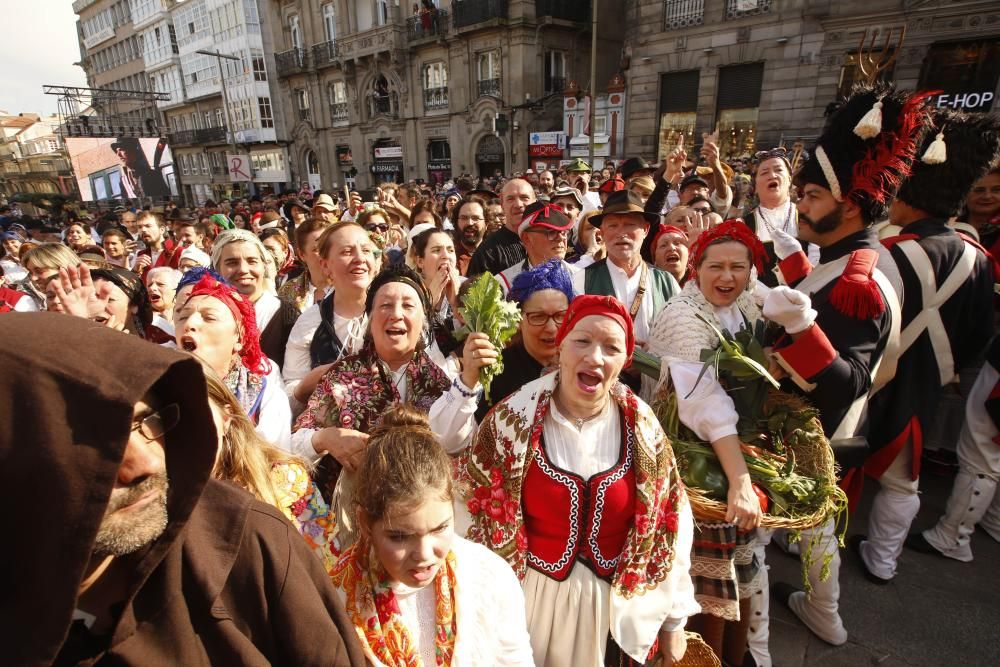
(125,168)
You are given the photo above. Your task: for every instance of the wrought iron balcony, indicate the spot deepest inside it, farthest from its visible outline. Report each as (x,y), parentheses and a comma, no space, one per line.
(436,98)
(338,112)
(211,135)
(683,13)
(436,23)
(289,62)
(737,9)
(471,12)
(327,53)
(490,87)
(567,10)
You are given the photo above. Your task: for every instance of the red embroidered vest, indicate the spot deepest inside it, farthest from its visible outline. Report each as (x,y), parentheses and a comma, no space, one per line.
(567,518)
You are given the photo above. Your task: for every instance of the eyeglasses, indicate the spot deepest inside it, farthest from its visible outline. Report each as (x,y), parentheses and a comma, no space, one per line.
(159,423)
(377,228)
(550,234)
(539,318)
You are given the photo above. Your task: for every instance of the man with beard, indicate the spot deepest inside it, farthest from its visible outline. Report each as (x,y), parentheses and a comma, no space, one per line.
(151,561)
(470,218)
(159,250)
(544,231)
(503,247)
(546,183)
(840,336)
(947,323)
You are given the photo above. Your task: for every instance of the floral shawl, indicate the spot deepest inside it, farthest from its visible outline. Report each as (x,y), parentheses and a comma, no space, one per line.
(356,391)
(496,466)
(295,290)
(373,609)
(302,504)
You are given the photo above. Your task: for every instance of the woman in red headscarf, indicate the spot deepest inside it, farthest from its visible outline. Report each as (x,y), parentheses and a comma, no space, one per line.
(575,484)
(724,568)
(218,325)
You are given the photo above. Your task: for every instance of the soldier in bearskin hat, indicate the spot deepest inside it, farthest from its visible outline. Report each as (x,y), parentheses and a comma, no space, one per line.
(840,319)
(947,322)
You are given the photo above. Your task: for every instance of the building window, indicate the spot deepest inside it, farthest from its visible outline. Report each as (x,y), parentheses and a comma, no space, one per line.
(678,109)
(302,103)
(337,94)
(737,105)
(218,118)
(183,159)
(488,73)
(555,72)
(967,72)
(737,9)
(295,32)
(435,80)
(266,116)
(383,11)
(600,125)
(384,100)
(330,21)
(208,120)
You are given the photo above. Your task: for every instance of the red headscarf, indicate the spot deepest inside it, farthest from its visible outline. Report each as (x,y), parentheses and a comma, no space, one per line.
(246,320)
(666,229)
(731,230)
(605,306)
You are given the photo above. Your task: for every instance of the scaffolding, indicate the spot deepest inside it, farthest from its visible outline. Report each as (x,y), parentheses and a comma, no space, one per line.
(107,112)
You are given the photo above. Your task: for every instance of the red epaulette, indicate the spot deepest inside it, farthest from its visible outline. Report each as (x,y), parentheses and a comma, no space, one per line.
(856,294)
(993,260)
(899,238)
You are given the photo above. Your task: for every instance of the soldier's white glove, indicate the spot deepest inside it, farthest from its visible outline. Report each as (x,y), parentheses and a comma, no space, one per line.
(789,308)
(784,243)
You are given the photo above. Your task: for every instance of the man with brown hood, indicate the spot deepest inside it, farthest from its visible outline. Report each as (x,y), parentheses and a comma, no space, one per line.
(147,561)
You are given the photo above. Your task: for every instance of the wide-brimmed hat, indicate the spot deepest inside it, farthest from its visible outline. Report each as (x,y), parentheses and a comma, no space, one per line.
(544,215)
(634,166)
(324,202)
(578,165)
(181,215)
(623,202)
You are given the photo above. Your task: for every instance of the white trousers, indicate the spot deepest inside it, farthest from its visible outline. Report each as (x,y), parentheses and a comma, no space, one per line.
(758,634)
(895,506)
(820,609)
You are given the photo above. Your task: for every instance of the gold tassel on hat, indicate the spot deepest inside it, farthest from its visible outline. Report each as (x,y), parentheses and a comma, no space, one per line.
(870,124)
(937,152)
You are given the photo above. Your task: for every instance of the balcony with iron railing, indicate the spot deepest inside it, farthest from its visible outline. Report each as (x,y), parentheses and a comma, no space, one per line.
(305,114)
(471,12)
(436,98)
(683,13)
(211,135)
(490,87)
(290,62)
(567,10)
(737,9)
(427,25)
(338,113)
(325,54)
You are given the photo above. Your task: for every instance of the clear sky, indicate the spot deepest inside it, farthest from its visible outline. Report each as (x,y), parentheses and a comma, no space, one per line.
(36,51)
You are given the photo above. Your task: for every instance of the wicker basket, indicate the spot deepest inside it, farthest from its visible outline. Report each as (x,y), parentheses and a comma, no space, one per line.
(697,654)
(813,458)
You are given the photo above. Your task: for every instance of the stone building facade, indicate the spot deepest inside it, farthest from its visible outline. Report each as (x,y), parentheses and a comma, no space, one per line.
(33,158)
(378,90)
(763,72)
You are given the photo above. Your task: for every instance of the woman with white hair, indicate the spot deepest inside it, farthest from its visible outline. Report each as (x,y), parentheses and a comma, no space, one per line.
(241,258)
(161,284)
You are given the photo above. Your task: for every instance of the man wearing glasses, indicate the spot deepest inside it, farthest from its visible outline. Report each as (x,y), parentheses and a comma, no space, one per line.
(147,560)
(544,233)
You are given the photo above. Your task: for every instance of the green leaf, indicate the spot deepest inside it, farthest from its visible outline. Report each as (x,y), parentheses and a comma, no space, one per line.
(485,310)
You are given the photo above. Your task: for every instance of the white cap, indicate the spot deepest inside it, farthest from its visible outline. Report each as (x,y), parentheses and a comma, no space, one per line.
(418,230)
(196,255)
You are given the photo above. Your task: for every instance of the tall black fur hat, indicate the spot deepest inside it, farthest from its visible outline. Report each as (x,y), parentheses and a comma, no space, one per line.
(867,171)
(955,153)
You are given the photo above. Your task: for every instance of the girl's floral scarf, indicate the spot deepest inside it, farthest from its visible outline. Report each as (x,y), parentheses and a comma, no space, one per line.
(497,463)
(374,610)
(362,390)
(248,388)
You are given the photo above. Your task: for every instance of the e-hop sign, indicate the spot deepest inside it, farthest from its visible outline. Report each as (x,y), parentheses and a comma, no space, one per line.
(239,168)
(973,101)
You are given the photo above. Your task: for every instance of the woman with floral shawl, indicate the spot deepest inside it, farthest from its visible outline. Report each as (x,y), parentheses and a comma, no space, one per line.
(575,484)
(392,367)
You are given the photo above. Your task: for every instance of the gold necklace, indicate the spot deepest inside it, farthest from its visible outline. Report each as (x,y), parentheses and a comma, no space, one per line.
(578,422)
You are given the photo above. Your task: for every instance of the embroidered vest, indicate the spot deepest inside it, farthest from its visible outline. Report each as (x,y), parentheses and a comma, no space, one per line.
(568,518)
(597,280)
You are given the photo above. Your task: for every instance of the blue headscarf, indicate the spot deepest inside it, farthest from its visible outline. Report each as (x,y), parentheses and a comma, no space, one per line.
(196,273)
(548,275)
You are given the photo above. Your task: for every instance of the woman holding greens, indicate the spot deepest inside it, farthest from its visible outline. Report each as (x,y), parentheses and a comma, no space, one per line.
(723,566)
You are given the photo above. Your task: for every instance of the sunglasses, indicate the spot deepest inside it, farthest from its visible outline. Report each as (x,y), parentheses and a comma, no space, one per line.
(780,151)
(377,228)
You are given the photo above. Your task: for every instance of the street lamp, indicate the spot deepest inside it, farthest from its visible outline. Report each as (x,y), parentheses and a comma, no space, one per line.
(225,99)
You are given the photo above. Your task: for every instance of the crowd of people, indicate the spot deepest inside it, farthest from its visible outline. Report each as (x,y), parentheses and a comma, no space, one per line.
(263,423)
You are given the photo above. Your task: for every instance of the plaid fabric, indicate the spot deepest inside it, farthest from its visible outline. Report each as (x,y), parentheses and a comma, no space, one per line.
(724,568)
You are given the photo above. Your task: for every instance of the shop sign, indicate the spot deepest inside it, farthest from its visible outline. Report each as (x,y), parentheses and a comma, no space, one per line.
(980,101)
(387,168)
(438,165)
(545,150)
(489,157)
(389,153)
(547,138)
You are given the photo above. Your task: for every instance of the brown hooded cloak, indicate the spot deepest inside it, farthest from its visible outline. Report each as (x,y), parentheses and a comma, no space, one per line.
(229,581)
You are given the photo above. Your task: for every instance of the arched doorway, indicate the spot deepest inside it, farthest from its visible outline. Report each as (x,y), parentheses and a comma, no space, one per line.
(490,156)
(312,171)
